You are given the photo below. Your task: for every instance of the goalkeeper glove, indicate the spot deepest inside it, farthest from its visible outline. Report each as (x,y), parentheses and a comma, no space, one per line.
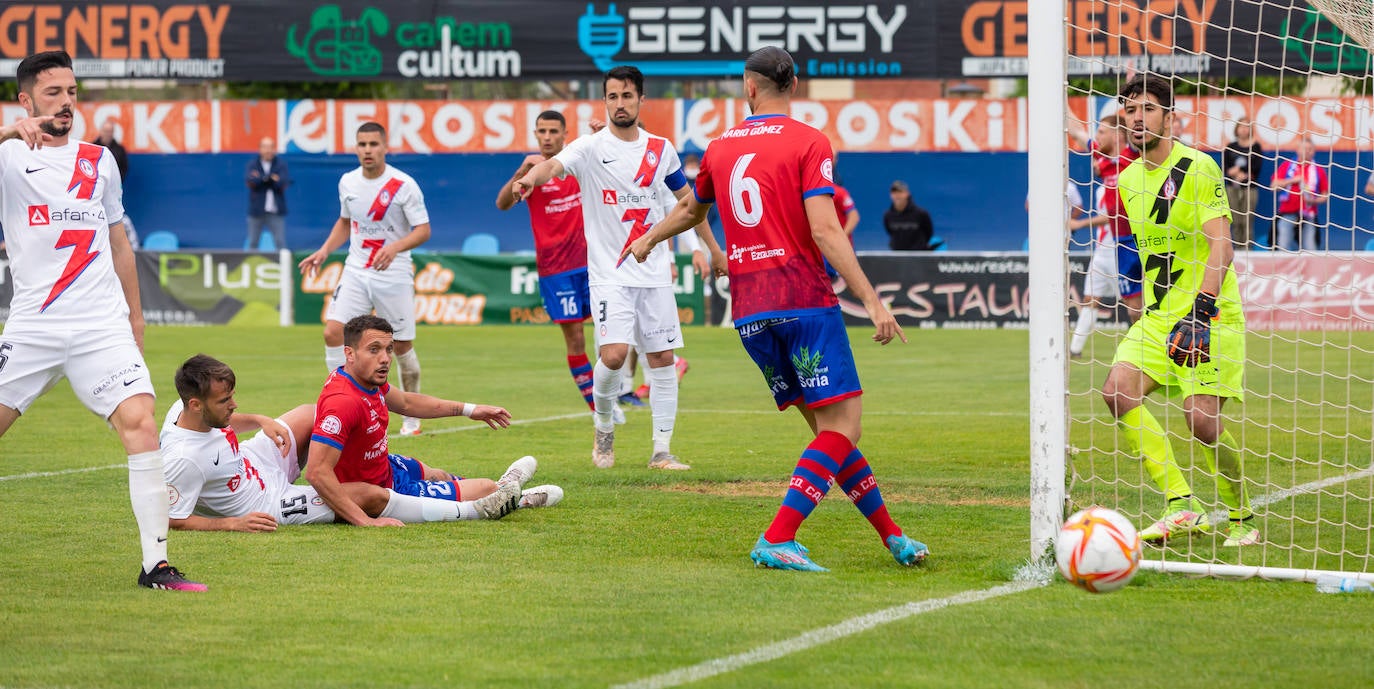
(1191,339)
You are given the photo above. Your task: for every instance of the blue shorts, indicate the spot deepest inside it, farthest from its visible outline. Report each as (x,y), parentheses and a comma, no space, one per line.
(1128,273)
(804,358)
(567,298)
(407,478)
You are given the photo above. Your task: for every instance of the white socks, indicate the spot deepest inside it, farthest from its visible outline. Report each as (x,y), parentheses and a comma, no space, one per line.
(413,510)
(605,394)
(148,493)
(662,403)
(1087,319)
(410,371)
(333,357)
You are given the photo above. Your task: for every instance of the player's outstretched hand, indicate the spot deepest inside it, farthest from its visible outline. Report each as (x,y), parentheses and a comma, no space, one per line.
(311,264)
(29,130)
(886,326)
(496,417)
(383,521)
(253,522)
(640,248)
(1190,341)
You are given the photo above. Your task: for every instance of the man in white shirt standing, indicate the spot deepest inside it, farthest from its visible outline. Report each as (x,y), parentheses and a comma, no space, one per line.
(382,216)
(626,175)
(76,310)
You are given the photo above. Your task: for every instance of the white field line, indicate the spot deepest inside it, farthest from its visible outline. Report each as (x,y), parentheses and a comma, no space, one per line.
(817,637)
(64,472)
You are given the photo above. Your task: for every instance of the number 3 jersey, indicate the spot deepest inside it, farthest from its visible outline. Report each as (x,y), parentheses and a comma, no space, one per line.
(57,204)
(625,187)
(379,212)
(759,173)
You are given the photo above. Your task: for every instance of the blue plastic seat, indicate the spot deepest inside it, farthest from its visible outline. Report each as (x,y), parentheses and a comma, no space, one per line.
(1369,245)
(481,244)
(161,240)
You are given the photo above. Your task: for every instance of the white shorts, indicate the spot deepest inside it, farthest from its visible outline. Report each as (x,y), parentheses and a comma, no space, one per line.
(1101,280)
(103,366)
(295,504)
(358,294)
(645,317)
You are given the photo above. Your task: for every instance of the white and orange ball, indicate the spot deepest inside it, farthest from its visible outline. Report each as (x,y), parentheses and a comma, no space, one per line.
(1098,550)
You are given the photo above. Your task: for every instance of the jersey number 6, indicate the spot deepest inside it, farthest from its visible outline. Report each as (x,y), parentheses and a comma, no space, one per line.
(746,201)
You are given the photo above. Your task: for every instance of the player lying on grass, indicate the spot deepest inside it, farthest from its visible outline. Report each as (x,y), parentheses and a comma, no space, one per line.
(216,483)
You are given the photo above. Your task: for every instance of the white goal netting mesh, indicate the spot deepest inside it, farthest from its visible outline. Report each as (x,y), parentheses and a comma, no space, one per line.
(1301,189)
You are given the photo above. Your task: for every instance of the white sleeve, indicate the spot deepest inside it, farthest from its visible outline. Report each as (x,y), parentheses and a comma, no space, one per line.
(343,205)
(414,206)
(574,153)
(113,197)
(184,481)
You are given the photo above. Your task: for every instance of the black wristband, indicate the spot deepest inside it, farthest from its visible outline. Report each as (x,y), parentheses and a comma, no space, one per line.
(1205,306)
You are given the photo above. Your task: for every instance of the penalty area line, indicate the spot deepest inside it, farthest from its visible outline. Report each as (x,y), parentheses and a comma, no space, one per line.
(64,472)
(823,635)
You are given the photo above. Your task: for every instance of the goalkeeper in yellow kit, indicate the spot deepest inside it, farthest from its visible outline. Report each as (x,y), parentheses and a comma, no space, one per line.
(1191,339)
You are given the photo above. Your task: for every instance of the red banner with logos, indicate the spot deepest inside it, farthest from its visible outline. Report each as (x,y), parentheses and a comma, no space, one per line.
(1307,291)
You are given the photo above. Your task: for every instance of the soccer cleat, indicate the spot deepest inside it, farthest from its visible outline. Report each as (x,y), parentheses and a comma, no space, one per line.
(642,392)
(519,471)
(410,426)
(1176,524)
(668,462)
(907,551)
(541,496)
(501,503)
(788,555)
(1239,534)
(603,451)
(165,576)
(681,365)
(632,400)
(617,415)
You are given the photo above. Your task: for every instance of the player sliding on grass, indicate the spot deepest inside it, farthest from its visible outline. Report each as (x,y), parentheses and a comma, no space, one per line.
(1191,338)
(76,310)
(774,176)
(349,440)
(218,483)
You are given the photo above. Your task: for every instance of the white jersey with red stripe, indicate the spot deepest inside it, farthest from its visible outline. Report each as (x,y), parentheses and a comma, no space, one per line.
(208,474)
(380,211)
(57,204)
(625,186)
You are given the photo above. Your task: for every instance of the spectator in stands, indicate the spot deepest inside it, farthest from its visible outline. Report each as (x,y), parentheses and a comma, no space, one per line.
(1300,188)
(1243,164)
(908,225)
(267,179)
(106,138)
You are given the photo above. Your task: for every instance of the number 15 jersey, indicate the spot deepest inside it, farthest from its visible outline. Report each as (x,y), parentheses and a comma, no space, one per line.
(57,204)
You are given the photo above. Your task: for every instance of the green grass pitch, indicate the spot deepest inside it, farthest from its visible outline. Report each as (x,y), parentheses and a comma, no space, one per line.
(637,573)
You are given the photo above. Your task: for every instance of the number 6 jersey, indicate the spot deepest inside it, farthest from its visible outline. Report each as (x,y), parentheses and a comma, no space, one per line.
(57,204)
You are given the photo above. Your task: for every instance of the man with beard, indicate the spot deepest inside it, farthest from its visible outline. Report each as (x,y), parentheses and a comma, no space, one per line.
(349,443)
(626,176)
(1190,339)
(76,310)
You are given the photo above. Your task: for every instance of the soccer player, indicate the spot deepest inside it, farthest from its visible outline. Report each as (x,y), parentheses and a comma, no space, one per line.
(560,246)
(349,443)
(1191,338)
(218,483)
(76,310)
(382,216)
(773,175)
(1114,270)
(626,175)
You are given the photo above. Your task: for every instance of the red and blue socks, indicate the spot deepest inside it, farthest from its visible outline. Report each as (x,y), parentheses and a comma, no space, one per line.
(581,369)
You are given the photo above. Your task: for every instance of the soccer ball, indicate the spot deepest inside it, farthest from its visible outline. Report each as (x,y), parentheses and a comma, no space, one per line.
(1098,550)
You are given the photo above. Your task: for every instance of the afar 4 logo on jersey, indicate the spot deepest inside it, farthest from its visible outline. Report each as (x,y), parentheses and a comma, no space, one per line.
(38,215)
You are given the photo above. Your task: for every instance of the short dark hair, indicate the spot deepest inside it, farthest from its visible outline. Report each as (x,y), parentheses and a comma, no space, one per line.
(627,73)
(774,65)
(1152,84)
(198,374)
(30,67)
(553,115)
(372,127)
(354,329)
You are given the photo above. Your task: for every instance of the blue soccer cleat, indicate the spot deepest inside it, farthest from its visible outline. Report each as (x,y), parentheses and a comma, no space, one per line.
(787,555)
(907,551)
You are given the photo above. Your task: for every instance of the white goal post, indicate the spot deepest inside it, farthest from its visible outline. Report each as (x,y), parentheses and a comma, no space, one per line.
(1299,74)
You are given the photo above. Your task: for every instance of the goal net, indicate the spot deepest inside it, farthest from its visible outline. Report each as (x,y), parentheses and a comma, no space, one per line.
(1287,86)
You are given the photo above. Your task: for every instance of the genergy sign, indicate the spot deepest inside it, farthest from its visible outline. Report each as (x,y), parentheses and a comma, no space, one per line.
(118,40)
(432,126)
